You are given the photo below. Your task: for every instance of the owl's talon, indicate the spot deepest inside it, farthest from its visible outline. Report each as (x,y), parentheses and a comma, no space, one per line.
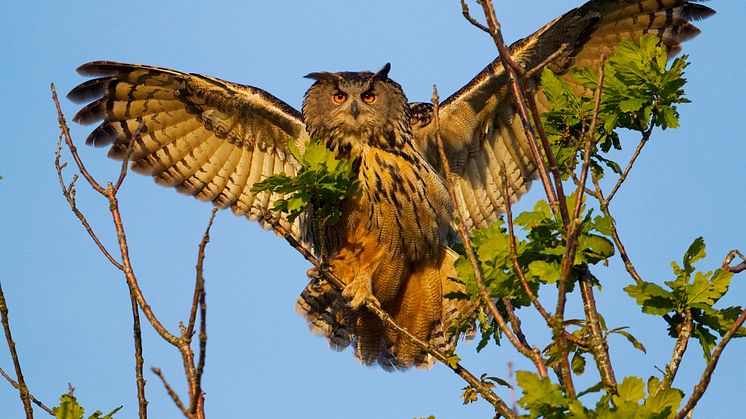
(358,292)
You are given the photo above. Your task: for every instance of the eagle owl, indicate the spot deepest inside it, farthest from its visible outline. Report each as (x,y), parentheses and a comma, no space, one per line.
(214,140)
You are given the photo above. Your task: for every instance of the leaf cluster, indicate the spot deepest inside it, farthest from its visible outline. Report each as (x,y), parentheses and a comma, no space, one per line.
(323,182)
(539,257)
(692,291)
(639,92)
(70,409)
(542,398)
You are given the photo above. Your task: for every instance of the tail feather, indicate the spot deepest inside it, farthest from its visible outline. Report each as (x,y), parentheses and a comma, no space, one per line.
(420,307)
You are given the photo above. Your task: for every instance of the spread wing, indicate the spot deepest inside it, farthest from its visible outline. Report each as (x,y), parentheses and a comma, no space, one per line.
(479,123)
(204,136)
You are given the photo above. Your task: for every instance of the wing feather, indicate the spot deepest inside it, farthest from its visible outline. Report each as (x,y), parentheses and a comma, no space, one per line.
(204,136)
(481,116)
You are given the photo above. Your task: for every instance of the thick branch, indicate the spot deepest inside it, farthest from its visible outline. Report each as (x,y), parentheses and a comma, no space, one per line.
(679,349)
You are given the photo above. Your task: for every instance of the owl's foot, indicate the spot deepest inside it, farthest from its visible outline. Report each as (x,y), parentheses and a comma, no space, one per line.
(359,291)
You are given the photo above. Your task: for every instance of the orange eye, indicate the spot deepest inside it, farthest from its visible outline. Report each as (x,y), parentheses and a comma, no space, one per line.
(368,97)
(339,97)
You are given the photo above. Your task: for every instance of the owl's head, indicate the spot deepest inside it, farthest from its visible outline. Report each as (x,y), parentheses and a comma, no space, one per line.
(351,108)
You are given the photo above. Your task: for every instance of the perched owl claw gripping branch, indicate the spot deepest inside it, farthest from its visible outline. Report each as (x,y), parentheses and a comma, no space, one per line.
(215,139)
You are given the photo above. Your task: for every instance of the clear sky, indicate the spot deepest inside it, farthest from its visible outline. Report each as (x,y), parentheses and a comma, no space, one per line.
(70,310)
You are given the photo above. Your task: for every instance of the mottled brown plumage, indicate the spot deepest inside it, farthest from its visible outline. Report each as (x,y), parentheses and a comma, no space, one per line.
(215,139)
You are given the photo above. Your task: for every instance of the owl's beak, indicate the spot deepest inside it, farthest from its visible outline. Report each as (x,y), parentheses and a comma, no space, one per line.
(354,110)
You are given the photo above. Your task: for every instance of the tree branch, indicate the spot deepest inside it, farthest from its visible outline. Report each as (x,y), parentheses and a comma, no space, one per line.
(527,351)
(22,388)
(482,388)
(31,396)
(704,381)
(679,349)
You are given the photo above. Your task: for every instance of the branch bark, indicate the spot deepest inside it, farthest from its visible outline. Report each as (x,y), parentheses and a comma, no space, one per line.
(22,388)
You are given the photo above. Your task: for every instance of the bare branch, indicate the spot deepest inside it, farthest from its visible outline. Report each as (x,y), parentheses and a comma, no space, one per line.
(704,381)
(196,400)
(171,392)
(729,258)
(73,150)
(467,15)
(69,193)
(142,401)
(31,396)
(22,388)
(625,173)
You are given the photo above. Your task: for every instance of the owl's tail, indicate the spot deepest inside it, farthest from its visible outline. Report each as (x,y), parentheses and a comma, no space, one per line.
(420,306)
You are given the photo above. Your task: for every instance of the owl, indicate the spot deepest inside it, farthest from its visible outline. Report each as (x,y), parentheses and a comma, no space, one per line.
(215,139)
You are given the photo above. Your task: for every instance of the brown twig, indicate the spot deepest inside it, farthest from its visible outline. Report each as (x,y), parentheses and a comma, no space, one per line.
(625,173)
(467,15)
(142,402)
(31,396)
(196,402)
(69,192)
(22,388)
(704,381)
(181,343)
(524,349)
(729,258)
(679,349)
(171,392)
(598,344)
(73,150)
(482,388)
(628,265)
(516,72)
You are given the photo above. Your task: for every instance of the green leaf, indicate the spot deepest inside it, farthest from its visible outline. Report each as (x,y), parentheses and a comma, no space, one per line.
(632,389)
(633,340)
(652,298)
(540,396)
(665,402)
(695,252)
(547,272)
(68,408)
(706,339)
(578,363)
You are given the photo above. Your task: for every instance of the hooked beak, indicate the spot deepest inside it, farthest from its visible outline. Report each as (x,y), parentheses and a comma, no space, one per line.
(354,110)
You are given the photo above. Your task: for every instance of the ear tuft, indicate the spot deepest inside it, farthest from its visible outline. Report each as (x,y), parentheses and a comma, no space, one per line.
(383,74)
(320,76)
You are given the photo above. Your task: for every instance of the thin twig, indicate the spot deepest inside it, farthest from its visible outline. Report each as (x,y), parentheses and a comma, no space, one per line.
(598,344)
(69,192)
(625,173)
(31,396)
(484,390)
(142,402)
(628,265)
(516,72)
(22,388)
(171,392)
(467,15)
(196,400)
(729,258)
(704,381)
(68,139)
(524,349)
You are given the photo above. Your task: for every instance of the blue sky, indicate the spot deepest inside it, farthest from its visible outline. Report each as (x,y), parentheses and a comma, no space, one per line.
(70,310)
